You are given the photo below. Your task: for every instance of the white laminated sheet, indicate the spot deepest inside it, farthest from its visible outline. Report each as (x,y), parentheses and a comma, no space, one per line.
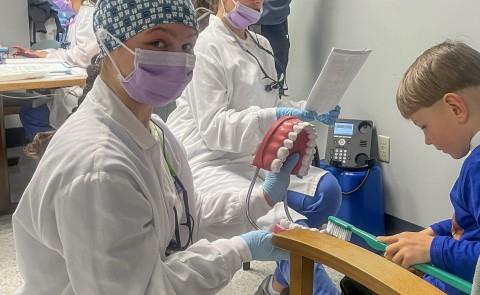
(338,72)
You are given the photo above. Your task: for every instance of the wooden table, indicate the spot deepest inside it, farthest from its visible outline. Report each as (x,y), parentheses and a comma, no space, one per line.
(29,84)
(371,270)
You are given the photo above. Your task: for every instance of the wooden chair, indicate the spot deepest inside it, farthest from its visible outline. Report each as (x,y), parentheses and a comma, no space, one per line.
(371,270)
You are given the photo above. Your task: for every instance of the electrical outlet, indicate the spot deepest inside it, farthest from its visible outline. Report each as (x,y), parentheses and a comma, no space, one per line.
(384,148)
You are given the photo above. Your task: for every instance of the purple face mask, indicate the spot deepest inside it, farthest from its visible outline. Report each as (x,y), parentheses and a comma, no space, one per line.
(243,16)
(158,77)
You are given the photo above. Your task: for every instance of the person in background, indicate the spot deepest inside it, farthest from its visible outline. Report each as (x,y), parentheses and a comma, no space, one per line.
(274,27)
(44,117)
(36,148)
(222,116)
(111,207)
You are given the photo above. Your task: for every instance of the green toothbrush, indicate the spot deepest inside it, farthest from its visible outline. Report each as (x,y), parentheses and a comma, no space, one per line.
(343,230)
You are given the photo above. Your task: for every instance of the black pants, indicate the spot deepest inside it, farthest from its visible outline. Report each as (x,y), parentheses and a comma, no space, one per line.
(278,37)
(351,287)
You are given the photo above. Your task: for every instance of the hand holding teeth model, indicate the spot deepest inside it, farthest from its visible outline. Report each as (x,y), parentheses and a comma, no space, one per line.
(286,136)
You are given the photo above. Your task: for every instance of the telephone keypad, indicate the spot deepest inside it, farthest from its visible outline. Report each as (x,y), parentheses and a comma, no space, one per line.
(340,154)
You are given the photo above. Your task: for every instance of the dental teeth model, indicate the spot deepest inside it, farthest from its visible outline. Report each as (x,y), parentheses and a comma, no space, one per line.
(286,136)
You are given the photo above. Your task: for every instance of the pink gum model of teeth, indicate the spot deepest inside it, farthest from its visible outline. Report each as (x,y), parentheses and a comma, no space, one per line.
(286,136)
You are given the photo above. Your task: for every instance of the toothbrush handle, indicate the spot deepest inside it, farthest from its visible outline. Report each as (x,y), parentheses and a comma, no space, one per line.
(442,275)
(370,239)
(446,277)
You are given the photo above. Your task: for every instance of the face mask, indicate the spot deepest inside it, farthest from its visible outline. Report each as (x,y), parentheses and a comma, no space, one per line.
(63,5)
(243,16)
(158,77)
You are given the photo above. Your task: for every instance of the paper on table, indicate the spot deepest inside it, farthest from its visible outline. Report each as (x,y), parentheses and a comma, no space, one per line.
(36,67)
(7,75)
(338,72)
(34,60)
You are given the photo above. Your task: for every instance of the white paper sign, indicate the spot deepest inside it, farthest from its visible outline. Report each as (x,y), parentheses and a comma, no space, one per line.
(337,73)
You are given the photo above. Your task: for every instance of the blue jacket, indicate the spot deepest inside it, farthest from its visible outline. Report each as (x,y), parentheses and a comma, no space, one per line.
(460,256)
(275,12)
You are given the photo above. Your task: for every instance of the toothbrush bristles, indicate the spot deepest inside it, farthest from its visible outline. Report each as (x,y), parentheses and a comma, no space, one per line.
(338,231)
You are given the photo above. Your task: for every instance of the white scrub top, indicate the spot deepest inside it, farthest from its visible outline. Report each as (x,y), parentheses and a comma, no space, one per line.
(223,114)
(83,47)
(83,43)
(97,216)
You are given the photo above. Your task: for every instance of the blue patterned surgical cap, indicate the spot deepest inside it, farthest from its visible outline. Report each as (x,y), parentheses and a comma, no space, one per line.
(126,18)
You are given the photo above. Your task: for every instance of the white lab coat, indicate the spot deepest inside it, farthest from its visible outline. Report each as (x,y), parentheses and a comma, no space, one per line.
(83,43)
(83,47)
(224,112)
(97,215)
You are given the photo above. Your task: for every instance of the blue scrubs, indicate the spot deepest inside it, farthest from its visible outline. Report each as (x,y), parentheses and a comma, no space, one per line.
(35,120)
(326,202)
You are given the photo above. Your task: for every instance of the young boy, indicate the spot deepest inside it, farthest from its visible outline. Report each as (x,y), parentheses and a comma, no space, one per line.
(440,93)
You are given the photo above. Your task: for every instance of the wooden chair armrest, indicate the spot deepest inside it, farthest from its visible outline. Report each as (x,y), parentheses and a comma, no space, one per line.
(371,270)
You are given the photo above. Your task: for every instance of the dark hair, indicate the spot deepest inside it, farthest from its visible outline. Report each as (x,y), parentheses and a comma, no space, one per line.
(37,147)
(209,4)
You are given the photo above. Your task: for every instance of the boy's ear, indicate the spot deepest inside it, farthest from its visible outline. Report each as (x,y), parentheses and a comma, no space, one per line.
(456,104)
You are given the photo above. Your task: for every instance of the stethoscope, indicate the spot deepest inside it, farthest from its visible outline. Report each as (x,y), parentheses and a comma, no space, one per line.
(279,83)
(175,244)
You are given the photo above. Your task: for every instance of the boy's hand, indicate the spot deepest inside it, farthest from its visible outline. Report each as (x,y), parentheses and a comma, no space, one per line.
(408,248)
(428,231)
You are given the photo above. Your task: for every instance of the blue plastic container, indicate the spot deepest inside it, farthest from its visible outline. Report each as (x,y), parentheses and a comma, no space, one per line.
(363,208)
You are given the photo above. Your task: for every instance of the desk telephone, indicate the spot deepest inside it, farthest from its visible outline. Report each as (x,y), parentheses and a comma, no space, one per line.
(349,143)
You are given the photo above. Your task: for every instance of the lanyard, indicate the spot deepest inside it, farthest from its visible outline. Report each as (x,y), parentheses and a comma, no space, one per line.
(274,83)
(159,136)
(175,244)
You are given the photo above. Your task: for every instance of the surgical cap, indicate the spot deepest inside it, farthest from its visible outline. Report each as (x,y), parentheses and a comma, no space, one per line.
(126,18)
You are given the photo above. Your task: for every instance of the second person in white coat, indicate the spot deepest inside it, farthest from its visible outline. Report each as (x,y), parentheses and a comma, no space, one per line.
(227,108)
(81,49)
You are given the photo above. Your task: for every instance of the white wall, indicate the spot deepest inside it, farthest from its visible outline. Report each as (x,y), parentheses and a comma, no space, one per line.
(14,31)
(418,179)
(14,23)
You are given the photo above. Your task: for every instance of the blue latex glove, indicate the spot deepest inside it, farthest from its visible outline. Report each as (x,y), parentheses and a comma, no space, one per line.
(330,117)
(260,244)
(276,184)
(303,115)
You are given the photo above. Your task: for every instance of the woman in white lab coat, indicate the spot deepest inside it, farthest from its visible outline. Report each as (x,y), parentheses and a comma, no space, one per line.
(225,111)
(81,49)
(111,208)
(229,105)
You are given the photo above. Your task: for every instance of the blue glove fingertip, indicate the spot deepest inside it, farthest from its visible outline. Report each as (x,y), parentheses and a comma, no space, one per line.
(290,163)
(309,115)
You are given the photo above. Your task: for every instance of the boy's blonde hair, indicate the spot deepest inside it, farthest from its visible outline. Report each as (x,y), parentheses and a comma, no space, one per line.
(447,67)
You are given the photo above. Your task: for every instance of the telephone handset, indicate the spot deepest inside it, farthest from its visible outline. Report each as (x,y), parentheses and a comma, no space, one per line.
(349,143)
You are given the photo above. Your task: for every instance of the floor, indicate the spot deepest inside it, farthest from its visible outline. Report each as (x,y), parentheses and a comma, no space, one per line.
(244,282)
